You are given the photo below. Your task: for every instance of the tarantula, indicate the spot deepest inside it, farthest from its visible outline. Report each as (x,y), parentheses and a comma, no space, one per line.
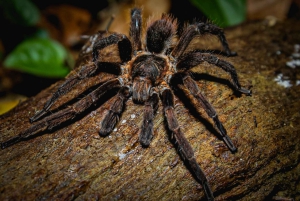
(145,73)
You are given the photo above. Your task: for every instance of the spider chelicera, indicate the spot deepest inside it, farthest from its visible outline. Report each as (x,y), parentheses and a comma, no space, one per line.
(145,72)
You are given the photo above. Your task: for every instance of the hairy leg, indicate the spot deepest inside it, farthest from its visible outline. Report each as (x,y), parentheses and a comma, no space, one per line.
(184,148)
(112,114)
(64,115)
(205,28)
(146,133)
(86,71)
(124,46)
(191,85)
(192,59)
(198,29)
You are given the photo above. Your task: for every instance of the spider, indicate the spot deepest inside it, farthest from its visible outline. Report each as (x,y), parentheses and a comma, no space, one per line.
(145,72)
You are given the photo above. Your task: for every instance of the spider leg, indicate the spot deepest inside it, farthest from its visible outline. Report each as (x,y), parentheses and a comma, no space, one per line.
(195,30)
(184,148)
(192,59)
(124,46)
(191,85)
(215,30)
(146,133)
(86,71)
(114,111)
(64,115)
(135,29)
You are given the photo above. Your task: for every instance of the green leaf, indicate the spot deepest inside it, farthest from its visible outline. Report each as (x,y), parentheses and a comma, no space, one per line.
(38,56)
(223,12)
(20,12)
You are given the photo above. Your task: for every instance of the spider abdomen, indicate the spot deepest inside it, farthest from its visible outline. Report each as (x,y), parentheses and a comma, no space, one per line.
(160,33)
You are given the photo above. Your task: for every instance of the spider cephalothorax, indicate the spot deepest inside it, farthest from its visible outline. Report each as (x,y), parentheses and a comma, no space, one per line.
(145,71)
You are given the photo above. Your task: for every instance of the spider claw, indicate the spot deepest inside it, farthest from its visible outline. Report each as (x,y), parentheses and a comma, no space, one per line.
(104,132)
(229,144)
(108,124)
(231,54)
(146,133)
(224,135)
(10,142)
(145,142)
(245,91)
(112,115)
(37,116)
(208,192)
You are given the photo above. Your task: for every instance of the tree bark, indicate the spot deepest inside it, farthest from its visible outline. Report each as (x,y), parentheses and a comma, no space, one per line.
(74,162)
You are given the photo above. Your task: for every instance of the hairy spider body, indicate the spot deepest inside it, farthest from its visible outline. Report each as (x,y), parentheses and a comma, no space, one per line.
(145,72)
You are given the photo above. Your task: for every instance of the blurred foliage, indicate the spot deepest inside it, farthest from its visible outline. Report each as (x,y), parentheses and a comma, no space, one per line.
(20,12)
(224,13)
(8,105)
(9,102)
(36,54)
